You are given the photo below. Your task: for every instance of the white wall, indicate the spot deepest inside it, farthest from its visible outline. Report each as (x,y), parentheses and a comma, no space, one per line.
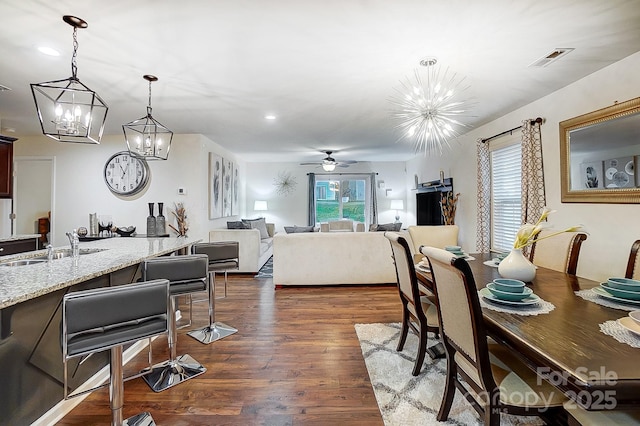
(291,209)
(80,188)
(612,228)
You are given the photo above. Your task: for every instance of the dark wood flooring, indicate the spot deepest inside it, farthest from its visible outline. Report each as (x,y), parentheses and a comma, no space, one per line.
(295,360)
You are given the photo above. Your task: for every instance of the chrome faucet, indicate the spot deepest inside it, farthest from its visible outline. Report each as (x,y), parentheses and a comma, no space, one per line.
(49,252)
(74,241)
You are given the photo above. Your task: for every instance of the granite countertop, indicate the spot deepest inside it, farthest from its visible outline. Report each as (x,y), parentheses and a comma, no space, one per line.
(21,283)
(18,237)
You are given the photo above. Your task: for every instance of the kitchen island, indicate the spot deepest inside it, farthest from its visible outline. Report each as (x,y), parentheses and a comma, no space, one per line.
(30,307)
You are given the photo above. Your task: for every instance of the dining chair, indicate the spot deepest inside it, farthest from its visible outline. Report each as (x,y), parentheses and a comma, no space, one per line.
(418,312)
(432,236)
(559,253)
(633,265)
(494,380)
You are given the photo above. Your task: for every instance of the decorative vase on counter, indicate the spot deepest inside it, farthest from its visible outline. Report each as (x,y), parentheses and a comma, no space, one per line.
(517,266)
(151,222)
(161,227)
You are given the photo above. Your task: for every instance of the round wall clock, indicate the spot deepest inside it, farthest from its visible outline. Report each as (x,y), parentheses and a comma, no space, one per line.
(126,174)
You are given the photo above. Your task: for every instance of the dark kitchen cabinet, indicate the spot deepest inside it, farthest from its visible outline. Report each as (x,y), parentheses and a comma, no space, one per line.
(18,246)
(6,167)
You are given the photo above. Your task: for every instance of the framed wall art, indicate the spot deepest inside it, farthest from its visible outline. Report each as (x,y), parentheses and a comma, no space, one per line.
(215,186)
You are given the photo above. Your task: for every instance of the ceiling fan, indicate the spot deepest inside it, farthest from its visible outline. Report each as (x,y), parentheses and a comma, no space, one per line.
(329,163)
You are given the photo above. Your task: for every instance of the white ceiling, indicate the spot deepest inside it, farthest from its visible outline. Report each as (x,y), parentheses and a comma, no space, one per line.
(325,68)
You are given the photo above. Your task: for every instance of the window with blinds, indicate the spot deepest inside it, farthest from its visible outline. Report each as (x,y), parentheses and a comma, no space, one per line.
(506,201)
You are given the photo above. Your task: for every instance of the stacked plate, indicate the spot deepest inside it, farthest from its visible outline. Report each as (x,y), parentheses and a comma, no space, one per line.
(623,290)
(509,292)
(631,323)
(423,265)
(499,258)
(456,250)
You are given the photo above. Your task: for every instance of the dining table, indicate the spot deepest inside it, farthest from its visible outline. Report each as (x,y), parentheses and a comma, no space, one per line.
(564,346)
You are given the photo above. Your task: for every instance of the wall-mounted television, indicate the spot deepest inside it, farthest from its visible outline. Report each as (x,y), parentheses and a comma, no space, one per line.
(428,210)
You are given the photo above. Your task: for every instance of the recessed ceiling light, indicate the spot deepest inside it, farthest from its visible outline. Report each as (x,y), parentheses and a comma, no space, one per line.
(49,51)
(269,117)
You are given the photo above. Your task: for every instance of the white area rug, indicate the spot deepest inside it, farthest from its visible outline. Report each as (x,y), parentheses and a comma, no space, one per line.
(405,400)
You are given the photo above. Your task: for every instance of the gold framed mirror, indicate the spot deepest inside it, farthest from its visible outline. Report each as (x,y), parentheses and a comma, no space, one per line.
(600,155)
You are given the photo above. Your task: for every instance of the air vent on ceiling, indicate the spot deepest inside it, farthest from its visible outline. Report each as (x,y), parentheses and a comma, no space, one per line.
(553,56)
(3,88)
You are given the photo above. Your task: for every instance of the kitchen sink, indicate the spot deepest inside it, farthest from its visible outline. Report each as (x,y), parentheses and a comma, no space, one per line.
(57,254)
(23,262)
(62,253)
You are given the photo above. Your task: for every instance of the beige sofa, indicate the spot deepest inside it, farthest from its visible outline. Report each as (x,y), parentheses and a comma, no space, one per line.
(322,258)
(254,252)
(344,225)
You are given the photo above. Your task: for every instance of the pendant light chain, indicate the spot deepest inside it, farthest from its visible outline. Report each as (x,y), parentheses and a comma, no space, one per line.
(149,107)
(74,64)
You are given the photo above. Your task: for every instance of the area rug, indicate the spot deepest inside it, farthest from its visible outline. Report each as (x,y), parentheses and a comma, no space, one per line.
(403,399)
(267,269)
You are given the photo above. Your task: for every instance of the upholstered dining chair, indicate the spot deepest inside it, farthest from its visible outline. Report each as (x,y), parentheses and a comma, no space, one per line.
(432,236)
(633,265)
(495,380)
(418,312)
(559,252)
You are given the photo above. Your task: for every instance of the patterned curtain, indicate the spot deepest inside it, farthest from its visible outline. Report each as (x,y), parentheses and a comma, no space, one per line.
(483,237)
(373,211)
(533,196)
(312,199)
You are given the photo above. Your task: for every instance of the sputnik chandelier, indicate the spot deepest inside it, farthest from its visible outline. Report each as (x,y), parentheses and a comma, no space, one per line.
(428,108)
(67,109)
(146,137)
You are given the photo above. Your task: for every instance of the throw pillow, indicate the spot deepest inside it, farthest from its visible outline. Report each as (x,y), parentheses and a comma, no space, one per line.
(238,224)
(260,224)
(295,229)
(386,227)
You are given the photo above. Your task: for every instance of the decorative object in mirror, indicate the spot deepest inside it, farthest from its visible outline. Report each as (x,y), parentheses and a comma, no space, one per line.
(600,154)
(67,109)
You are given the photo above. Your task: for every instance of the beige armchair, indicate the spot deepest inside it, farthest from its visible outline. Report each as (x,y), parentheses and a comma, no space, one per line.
(344,225)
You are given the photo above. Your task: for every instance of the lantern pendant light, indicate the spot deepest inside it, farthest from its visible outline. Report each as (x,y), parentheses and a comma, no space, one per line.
(146,137)
(67,109)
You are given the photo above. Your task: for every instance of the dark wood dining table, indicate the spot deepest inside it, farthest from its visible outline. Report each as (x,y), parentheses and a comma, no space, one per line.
(565,346)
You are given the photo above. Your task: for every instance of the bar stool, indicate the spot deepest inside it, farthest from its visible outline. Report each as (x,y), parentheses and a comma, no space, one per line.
(107,318)
(223,256)
(186,274)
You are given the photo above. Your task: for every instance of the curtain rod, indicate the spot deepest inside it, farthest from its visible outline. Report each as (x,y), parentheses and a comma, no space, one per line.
(532,122)
(341,174)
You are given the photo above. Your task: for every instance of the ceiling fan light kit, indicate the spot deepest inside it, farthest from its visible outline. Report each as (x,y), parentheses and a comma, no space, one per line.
(146,137)
(329,163)
(428,109)
(67,109)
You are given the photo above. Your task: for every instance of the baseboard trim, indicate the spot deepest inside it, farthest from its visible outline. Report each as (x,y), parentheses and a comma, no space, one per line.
(62,408)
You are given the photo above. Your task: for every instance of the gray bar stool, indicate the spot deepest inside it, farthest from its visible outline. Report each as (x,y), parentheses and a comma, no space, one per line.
(223,256)
(186,275)
(107,318)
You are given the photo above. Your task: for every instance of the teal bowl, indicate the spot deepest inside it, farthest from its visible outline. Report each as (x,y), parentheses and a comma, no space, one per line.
(624,284)
(509,285)
(453,248)
(508,295)
(623,294)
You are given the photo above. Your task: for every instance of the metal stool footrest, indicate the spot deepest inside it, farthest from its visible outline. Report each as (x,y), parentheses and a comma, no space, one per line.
(213,332)
(173,372)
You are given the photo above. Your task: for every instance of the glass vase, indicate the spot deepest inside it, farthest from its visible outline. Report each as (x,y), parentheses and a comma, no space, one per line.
(161,226)
(151,222)
(517,266)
